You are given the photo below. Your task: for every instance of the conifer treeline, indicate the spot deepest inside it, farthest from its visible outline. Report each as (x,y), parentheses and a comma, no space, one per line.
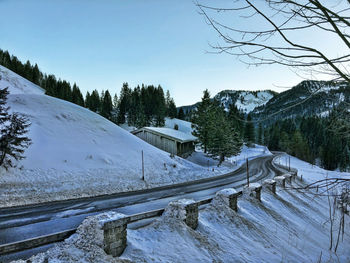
(141,106)
(311,139)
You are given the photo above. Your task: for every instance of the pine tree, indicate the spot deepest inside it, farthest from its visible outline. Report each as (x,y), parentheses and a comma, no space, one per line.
(115,101)
(77,97)
(124,103)
(172,111)
(224,140)
(95,101)
(235,118)
(115,108)
(13,128)
(260,134)
(299,147)
(181,114)
(249,132)
(202,120)
(4,115)
(87,100)
(36,75)
(160,107)
(107,105)
(274,134)
(170,106)
(266,137)
(284,142)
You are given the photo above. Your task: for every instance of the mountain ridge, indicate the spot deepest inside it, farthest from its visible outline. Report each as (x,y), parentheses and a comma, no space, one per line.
(308,98)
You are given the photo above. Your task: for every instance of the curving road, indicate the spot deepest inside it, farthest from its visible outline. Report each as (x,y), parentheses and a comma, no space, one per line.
(20,223)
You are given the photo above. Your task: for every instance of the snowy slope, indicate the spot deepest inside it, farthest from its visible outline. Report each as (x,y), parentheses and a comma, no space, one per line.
(17,84)
(291,226)
(76,152)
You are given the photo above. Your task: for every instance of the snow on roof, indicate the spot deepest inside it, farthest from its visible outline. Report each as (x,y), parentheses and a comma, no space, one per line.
(184,126)
(175,134)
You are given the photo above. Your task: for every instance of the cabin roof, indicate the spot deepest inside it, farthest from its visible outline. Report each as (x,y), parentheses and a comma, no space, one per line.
(173,134)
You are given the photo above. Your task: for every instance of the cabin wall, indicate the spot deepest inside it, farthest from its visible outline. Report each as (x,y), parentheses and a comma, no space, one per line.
(185,149)
(166,144)
(158,141)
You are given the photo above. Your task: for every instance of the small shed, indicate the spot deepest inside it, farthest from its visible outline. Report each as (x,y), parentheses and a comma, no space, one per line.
(169,140)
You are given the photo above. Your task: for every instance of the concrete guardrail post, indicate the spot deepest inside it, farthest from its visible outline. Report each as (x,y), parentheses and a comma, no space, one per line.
(114,235)
(288,177)
(253,190)
(228,197)
(270,184)
(295,175)
(185,210)
(192,215)
(281,181)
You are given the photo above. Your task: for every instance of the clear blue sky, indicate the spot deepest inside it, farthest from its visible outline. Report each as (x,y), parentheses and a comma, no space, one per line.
(101,44)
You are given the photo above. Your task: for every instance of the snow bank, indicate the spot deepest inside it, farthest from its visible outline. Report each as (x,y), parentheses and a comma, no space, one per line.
(176,210)
(86,246)
(291,226)
(309,172)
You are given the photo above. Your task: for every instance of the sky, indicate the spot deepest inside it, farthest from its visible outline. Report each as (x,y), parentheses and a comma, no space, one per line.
(101,44)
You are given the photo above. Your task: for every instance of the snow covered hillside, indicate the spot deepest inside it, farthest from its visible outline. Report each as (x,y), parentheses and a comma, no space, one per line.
(76,152)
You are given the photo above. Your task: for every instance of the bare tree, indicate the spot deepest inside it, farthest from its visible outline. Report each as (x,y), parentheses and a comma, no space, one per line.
(275,32)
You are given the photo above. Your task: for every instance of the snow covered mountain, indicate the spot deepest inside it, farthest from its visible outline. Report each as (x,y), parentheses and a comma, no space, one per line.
(246,101)
(76,152)
(306,99)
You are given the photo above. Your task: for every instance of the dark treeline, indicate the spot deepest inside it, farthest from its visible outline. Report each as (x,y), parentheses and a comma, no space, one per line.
(144,106)
(54,87)
(141,106)
(311,139)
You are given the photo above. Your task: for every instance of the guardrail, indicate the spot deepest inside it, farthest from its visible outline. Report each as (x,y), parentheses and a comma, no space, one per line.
(35,242)
(60,236)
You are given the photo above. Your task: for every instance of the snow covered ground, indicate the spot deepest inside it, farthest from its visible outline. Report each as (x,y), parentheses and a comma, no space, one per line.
(77,153)
(309,172)
(231,163)
(292,226)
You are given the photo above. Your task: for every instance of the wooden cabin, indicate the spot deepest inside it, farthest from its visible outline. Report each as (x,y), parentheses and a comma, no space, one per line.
(170,140)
